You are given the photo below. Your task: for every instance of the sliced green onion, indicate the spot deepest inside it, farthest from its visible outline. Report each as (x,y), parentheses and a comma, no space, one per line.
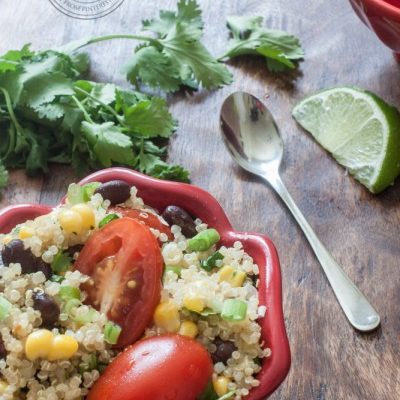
(70,305)
(81,194)
(227,396)
(90,316)
(173,268)
(89,189)
(111,332)
(69,292)
(5,307)
(108,218)
(211,262)
(61,262)
(57,278)
(234,310)
(203,240)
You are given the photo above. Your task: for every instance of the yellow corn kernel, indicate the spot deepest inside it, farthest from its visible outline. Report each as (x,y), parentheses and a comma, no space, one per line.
(3,387)
(166,316)
(194,303)
(226,273)
(188,328)
(86,213)
(6,239)
(220,384)
(38,343)
(238,278)
(62,347)
(70,221)
(25,232)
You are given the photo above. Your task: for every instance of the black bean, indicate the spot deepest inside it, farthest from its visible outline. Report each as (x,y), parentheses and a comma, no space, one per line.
(44,267)
(115,191)
(49,309)
(224,350)
(175,215)
(3,351)
(74,249)
(15,252)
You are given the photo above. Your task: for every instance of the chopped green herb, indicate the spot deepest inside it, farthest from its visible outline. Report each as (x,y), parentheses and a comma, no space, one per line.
(210,263)
(81,194)
(61,262)
(203,240)
(108,218)
(111,332)
(234,310)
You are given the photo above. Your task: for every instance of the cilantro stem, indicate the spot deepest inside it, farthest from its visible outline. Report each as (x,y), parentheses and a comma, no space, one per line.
(10,108)
(88,95)
(116,36)
(82,108)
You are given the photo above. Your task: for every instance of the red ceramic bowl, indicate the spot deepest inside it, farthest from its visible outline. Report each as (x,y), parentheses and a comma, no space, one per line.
(196,201)
(382,17)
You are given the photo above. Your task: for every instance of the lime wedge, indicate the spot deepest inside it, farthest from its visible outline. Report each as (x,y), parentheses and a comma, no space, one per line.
(360,130)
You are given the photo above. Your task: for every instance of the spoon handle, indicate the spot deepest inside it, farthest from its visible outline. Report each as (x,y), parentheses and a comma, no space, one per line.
(358,310)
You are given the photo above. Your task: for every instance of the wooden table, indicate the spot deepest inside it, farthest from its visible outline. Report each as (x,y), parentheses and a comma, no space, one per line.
(330,361)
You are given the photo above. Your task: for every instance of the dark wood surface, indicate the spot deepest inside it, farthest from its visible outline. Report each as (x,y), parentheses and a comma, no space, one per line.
(330,361)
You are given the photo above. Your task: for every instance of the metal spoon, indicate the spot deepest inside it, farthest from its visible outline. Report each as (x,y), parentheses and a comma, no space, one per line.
(252,137)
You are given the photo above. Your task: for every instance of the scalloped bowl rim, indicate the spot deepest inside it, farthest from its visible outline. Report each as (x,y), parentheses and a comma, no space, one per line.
(386,7)
(158,194)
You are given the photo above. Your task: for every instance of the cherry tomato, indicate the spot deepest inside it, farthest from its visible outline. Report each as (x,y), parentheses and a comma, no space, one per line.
(167,367)
(149,219)
(125,263)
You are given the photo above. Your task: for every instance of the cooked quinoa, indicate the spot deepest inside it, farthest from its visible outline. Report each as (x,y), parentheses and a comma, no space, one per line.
(71,379)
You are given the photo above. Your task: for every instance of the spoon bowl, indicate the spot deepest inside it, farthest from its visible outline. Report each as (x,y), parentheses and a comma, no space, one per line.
(258,152)
(252,137)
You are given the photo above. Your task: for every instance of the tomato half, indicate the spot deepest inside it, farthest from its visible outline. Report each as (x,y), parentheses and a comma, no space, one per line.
(149,219)
(167,367)
(125,263)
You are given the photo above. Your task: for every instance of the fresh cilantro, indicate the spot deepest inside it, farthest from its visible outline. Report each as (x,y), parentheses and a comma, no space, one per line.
(108,144)
(3,175)
(281,50)
(180,57)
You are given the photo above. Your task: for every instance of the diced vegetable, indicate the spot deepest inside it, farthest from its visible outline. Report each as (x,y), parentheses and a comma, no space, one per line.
(70,305)
(5,306)
(111,332)
(89,365)
(81,194)
(69,292)
(108,218)
(204,240)
(173,268)
(234,310)
(211,262)
(89,316)
(61,262)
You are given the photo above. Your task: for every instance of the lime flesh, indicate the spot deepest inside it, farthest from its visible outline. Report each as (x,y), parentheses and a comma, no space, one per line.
(359,129)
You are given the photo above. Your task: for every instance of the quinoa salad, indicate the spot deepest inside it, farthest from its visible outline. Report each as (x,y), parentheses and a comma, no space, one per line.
(58,335)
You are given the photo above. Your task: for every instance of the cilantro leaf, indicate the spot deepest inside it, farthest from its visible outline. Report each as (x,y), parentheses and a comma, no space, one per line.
(150,118)
(151,66)
(177,52)
(281,50)
(10,60)
(108,143)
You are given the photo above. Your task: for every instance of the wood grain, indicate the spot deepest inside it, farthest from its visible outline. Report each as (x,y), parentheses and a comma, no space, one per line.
(330,360)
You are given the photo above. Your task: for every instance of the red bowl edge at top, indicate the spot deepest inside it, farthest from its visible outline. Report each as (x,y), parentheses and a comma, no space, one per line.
(159,194)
